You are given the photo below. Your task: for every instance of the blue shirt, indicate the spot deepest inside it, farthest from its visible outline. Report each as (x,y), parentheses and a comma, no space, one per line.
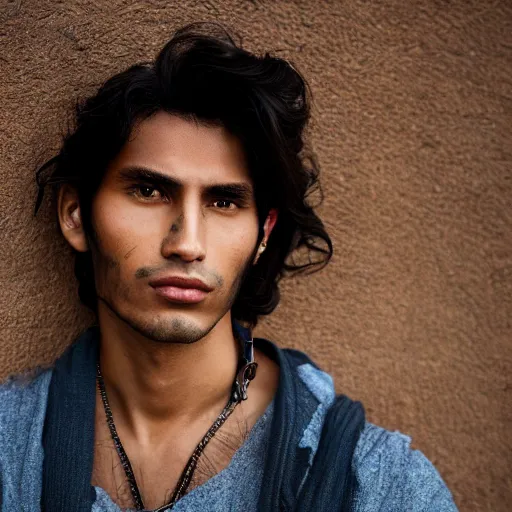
(390,475)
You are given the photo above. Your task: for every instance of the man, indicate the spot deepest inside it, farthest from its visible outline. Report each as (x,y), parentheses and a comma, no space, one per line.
(183,191)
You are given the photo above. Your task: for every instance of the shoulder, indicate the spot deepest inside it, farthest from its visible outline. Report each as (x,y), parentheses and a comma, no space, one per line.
(24,388)
(23,398)
(392,476)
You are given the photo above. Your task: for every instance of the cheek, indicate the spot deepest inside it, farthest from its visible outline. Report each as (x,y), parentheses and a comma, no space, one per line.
(235,246)
(121,233)
(122,243)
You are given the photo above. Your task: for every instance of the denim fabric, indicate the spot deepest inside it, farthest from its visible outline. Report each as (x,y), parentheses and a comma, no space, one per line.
(390,476)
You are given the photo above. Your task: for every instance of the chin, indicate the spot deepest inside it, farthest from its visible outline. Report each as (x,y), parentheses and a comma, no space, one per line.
(167,325)
(171,327)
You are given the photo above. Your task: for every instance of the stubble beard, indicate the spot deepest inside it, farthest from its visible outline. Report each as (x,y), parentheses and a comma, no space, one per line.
(176,330)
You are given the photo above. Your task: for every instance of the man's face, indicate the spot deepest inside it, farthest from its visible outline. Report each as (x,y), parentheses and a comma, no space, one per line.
(146,229)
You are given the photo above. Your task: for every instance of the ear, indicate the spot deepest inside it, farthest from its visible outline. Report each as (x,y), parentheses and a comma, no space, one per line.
(70,219)
(270,222)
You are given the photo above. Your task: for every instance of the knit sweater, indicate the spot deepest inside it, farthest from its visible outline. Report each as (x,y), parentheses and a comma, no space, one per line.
(390,475)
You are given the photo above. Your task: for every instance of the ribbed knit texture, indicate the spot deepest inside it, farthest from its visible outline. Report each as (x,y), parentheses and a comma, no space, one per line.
(331,481)
(68,436)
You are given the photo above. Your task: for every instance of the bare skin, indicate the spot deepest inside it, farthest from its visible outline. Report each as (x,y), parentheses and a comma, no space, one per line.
(158,467)
(169,366)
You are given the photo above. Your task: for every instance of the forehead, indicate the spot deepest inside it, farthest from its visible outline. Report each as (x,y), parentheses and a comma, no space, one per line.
(194,153)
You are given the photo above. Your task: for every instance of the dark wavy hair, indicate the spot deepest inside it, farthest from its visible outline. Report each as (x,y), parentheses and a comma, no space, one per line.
(203,75)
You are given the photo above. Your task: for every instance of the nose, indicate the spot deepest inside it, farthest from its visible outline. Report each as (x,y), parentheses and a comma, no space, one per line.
(185,239)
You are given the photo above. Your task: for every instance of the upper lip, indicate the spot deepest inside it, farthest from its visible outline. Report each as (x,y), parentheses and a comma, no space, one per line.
(181,282)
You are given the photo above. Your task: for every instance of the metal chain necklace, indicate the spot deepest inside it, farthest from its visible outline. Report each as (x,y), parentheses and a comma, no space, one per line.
(246,372)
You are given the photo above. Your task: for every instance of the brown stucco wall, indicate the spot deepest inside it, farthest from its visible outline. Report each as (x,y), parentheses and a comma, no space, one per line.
(412,126)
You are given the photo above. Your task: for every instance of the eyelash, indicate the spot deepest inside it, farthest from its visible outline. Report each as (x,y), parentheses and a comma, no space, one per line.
(135,191)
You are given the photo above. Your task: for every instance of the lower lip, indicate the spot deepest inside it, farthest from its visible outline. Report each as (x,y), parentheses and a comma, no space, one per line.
(176,294)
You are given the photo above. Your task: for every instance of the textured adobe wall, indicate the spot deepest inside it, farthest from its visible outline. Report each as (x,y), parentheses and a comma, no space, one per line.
(412,127)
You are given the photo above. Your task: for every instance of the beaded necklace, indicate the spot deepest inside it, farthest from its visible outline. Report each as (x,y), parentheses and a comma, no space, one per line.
(245,373)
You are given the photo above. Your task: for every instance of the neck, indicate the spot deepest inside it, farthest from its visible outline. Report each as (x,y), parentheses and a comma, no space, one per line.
(150,384)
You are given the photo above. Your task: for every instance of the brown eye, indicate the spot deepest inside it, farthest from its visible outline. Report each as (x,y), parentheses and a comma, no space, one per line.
(147,191)
(223,202)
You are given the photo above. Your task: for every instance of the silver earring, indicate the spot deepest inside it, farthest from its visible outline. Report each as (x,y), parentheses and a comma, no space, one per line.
(261,248)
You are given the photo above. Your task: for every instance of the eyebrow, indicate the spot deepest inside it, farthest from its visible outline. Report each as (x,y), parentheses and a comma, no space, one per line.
(236,190)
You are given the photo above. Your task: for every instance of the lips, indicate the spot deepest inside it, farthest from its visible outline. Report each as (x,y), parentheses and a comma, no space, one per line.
(181,282)
(181,289)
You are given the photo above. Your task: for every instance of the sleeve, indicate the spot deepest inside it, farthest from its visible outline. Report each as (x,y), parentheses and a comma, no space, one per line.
(392,477)
(22,413)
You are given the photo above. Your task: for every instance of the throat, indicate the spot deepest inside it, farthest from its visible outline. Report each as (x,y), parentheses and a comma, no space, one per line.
(157,470)
(158,461)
